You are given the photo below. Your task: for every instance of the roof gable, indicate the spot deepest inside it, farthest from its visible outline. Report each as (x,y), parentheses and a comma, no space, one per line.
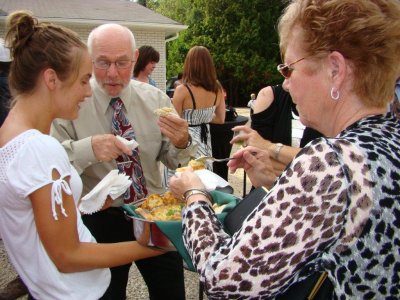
(92,12)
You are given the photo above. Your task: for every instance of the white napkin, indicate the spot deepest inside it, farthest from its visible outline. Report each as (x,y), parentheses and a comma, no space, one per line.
(210,180)
(132,143)
(113,184)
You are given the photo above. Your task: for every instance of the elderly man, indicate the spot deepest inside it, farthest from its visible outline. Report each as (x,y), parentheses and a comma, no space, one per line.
(121,106)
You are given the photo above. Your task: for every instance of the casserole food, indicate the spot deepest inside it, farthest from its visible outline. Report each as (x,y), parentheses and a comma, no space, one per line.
(161,207)
(195,164)
(167,235)
(147,232)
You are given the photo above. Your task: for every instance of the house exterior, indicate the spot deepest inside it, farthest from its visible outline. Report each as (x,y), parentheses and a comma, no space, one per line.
(149,27)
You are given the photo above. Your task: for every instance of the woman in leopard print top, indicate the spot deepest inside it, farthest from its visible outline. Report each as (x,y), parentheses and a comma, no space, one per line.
(336,207)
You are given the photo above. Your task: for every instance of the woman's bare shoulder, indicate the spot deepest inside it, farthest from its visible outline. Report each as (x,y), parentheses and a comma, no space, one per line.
(264,99)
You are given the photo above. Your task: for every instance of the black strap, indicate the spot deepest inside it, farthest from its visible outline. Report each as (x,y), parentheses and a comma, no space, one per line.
(194,101)
(191,94)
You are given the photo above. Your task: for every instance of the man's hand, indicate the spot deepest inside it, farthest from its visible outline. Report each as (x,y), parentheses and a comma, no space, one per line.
(107,147)
(176,129)
(256,163)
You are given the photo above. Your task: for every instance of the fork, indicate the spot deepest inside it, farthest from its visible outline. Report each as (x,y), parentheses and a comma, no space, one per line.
(210,158)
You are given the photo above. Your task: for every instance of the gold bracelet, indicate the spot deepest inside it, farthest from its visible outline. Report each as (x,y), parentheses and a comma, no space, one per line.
(192,192)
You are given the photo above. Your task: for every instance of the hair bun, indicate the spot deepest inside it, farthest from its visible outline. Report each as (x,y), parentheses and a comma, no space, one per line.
(21,26)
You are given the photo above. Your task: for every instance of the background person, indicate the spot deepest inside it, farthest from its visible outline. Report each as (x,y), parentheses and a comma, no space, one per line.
(252,102)
(199,99)
(93,149)
(46,241)
(178,81)
(5,61)
(145,64)
(275,127)
(336,207)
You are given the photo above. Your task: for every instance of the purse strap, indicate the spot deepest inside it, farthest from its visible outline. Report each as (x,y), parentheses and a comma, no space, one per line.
(317,285)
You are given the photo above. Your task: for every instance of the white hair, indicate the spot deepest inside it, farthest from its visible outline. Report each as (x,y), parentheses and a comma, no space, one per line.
(104,27)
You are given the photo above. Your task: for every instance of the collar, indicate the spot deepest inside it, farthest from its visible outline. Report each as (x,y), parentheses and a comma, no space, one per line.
(104,99)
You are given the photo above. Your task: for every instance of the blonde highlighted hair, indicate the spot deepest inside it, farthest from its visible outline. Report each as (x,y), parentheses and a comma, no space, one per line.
(366,32)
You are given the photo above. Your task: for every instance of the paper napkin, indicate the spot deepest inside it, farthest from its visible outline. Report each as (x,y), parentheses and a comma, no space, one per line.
(114,184)
(132,143)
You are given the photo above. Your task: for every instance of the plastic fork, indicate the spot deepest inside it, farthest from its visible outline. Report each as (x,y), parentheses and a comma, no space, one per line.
(210,158)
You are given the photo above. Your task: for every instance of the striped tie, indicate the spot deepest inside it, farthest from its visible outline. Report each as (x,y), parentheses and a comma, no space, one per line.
(122,127)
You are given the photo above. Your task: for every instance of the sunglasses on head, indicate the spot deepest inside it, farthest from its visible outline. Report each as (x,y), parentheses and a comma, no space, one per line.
(286,70)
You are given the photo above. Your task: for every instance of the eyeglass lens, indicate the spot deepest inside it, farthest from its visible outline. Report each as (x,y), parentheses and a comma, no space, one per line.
(119,64)
(285,70)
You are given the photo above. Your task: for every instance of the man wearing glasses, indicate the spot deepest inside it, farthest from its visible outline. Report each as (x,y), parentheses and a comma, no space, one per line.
(93,150)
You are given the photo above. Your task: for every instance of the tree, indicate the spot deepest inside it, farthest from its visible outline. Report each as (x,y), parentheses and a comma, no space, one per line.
(240,34)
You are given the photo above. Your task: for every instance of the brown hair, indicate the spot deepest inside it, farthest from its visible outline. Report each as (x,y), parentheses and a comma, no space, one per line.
(147,54)
(367,33)
(36,46)
(199,69)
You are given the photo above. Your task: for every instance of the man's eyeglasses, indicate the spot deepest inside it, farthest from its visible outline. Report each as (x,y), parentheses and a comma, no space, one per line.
(119,64)
(286,70)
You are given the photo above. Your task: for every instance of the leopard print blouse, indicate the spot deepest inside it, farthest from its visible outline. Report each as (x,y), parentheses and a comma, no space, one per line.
(336,208)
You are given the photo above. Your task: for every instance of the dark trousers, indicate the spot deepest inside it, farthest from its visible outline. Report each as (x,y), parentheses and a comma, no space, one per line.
(163,274)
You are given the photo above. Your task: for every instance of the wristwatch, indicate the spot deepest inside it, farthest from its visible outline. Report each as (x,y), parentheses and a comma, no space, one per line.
(277,150)
(189,143)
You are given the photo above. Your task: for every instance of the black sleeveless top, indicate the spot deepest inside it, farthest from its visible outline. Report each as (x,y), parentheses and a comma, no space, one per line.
(275,123)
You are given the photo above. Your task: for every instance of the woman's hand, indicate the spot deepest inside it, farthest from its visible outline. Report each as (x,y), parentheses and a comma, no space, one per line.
(182,182)
(250,137)
(256,163)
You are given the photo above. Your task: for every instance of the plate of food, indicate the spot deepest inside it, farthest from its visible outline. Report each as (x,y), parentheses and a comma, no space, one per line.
(157,220)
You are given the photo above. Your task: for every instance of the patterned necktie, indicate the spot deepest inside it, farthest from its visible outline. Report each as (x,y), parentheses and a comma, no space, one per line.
(133,168)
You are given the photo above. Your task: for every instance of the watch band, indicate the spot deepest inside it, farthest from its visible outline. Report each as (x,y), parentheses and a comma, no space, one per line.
(189,143)
(277,150)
